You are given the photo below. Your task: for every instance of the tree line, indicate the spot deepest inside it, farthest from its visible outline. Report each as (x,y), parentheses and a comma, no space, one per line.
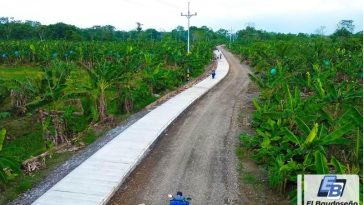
(11,29)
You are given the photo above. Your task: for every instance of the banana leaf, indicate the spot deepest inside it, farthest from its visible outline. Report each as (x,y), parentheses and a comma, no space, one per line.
(291,137)
(325,115)
(321,163)
(257,80)
(3,176)
(358,145)
(256,104)
(312,135)
(339,168)
(308,160)
(322,131)
(302,125)
(2,137)
(290,99)
(356,116)
(276,115)
(336,137)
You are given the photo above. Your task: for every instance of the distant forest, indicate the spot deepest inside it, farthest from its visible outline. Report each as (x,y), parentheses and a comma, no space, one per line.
(11,29)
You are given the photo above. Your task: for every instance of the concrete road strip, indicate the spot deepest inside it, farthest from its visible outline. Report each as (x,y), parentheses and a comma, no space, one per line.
(96,179)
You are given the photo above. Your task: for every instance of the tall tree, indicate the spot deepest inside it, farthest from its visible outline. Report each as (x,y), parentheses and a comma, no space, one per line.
(344,28)
(139,26)
(347,25)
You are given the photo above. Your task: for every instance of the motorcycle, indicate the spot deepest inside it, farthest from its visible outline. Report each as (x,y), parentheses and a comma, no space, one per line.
(186,200)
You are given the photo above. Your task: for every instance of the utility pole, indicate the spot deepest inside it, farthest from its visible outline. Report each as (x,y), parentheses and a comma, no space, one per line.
(231,33)
(188,15)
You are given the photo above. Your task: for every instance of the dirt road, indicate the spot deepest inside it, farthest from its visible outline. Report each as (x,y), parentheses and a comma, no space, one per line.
(197,154)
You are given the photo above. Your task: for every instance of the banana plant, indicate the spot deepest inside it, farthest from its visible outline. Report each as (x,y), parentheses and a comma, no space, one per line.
(103,76)
(309,111)
(9,166)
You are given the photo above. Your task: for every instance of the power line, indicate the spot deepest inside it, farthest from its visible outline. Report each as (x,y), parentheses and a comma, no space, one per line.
(167,3)
(188,15)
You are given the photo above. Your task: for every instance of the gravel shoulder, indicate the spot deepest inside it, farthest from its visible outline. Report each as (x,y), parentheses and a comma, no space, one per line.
(197,154)
(80,156)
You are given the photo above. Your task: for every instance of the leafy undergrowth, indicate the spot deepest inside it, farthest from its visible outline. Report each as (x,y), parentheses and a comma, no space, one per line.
(308,117)
(47,102)
(253,177)
(24,182)
(20,73)
(254,183)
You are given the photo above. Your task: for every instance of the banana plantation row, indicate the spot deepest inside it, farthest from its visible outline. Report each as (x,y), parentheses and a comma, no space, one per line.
(56,92)
(308,116)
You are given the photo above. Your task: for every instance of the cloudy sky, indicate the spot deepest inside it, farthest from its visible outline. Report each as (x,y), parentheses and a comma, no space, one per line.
(286,16)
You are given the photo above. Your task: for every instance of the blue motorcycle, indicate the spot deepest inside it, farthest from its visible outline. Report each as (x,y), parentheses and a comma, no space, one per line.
(179,199)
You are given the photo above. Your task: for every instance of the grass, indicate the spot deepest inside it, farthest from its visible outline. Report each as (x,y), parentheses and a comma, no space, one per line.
(25,137)
(30,145)
(22,147)
(249,172)
(25,132)
(240,152)
(249,178)
(26,146)
(89,137)
(20,73)
(24,182)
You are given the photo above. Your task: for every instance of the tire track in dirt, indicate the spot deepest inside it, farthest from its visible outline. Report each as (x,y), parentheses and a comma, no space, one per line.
(197,154)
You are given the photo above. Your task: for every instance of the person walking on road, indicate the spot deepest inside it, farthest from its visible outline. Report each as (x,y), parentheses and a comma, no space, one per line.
(213,73)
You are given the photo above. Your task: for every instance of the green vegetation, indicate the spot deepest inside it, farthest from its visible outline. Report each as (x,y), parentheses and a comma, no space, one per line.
(60,85)
(8,165)
(308,116)
(249,178)
(65,89)
(24,182)
(20,73)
